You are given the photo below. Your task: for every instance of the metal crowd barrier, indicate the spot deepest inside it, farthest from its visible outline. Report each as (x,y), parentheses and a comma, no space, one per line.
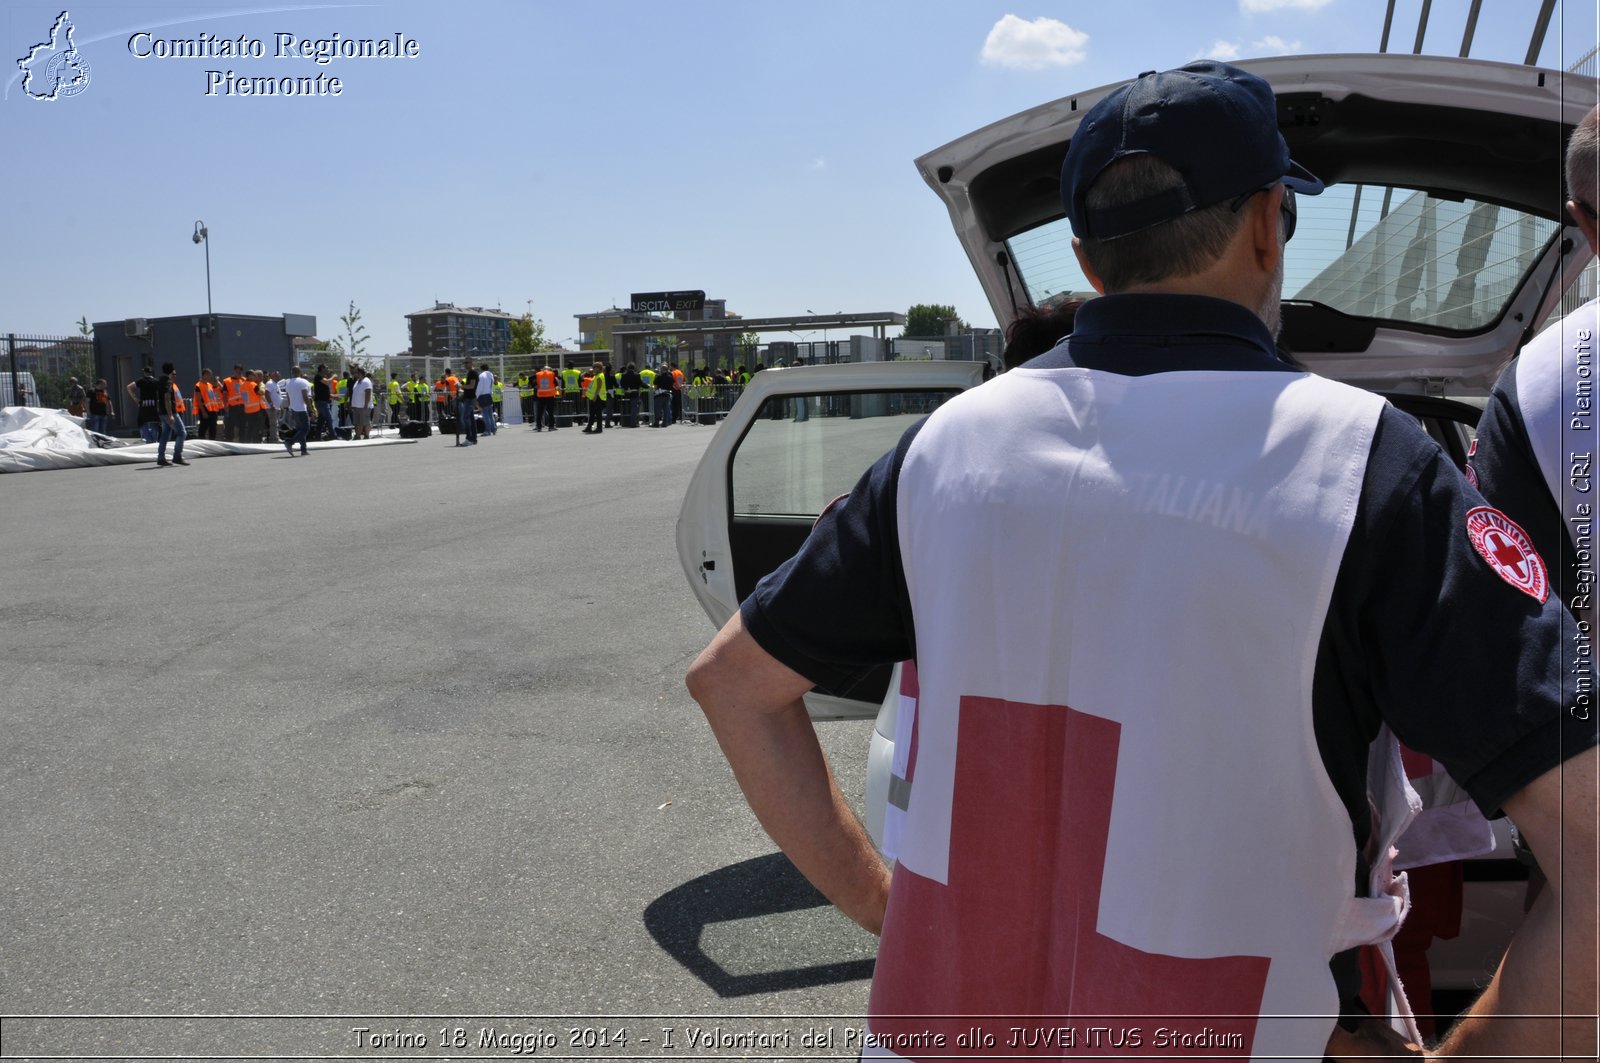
(708,403)
(705,404)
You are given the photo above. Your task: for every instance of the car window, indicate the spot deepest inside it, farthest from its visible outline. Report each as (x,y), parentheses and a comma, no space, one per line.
(803,451)
(1452,424)
(1394,254)
(1581,290)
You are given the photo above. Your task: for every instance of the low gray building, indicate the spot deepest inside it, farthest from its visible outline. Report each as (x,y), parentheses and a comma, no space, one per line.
(216,342)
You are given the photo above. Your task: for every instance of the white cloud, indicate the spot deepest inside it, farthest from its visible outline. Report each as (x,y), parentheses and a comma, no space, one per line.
(1227,51)
(1275,45)
(1044,42)
(1258,7)
(819,163)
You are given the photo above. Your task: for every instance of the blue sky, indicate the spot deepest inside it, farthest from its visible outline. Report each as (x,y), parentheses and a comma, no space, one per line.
(570,153)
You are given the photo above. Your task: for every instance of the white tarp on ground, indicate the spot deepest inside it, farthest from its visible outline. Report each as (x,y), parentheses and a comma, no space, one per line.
(32,439)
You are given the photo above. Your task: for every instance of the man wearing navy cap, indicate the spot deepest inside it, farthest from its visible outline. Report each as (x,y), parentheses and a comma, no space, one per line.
(1163,592)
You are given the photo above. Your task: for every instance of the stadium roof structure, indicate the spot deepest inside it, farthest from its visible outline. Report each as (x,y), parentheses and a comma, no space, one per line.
(739,325)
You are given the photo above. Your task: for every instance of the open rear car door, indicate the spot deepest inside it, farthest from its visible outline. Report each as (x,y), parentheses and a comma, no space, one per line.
(797,439)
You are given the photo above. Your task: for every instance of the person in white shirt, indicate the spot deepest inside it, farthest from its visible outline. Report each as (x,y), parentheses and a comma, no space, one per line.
(276,389)
(485,395)
(298,396)
(361,404)
(274,410)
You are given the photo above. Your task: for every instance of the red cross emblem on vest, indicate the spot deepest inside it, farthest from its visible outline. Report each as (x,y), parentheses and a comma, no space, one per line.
(1508,550)
(1012,938)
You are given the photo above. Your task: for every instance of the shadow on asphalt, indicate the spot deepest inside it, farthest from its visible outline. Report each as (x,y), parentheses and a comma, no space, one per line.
(765,886)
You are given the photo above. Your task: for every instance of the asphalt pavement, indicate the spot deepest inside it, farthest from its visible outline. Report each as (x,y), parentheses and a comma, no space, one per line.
(395,731)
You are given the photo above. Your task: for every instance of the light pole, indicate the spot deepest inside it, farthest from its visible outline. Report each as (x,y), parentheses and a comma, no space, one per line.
(805,337)
(203,236)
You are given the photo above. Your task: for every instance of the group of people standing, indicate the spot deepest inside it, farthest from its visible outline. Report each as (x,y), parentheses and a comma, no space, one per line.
(95,407)
(337,402)
(610,398)
(246,406)
(255,406)
(614,399)
(474,391)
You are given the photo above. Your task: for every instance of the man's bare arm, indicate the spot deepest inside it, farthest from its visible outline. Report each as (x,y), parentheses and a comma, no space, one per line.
(1550,965)
(752,702)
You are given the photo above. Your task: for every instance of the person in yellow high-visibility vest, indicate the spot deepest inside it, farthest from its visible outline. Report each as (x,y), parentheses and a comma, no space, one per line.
(525,394)
(414,397)
(595,392)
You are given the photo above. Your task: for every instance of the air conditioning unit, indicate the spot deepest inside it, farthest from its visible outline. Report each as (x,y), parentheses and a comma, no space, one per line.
(136,326)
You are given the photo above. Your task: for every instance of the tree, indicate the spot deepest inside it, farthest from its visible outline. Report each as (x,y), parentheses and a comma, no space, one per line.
(527,336)
(749,345)
(78,354)
(927,319)
(353,344)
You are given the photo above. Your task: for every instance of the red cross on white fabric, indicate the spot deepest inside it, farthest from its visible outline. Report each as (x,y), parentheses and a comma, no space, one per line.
(1506,552)
(1014,932)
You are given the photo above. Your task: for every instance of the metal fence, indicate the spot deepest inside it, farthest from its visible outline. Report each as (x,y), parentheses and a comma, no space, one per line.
(36,369)
(974,346)
(704,404)
(986,345)
(506,367)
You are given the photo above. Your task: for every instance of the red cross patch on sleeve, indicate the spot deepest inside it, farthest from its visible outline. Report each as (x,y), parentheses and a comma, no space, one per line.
(1508,551)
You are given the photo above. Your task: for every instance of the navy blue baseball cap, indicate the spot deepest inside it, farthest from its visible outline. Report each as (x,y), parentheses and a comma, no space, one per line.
(1215,124)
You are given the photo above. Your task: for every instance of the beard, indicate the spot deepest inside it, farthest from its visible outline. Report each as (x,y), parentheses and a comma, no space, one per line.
(1271,309)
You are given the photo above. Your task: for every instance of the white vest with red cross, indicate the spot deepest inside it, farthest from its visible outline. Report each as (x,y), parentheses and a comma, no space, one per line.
(1555,394)
(1117,825)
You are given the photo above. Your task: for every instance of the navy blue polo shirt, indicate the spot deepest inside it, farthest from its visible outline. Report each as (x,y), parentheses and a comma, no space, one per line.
(1421,632)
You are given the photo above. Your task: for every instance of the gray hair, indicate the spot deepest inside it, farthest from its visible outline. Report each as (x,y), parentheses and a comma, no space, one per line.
(1184,246)
(1583,160)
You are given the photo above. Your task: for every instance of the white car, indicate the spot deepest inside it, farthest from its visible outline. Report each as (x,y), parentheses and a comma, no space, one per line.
(1439,247)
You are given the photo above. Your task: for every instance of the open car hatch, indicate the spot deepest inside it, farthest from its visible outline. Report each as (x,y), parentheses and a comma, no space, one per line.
(1440,244)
